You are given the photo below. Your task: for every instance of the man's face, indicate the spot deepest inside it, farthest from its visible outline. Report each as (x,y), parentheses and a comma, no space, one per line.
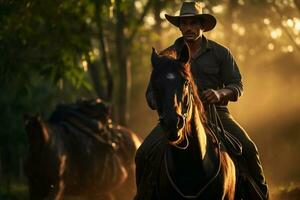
(190,28)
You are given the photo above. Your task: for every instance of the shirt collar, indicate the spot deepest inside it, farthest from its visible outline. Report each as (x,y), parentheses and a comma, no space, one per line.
(205,45)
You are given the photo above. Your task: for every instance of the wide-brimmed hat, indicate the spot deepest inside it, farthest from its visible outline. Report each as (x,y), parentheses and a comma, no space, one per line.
(193,9)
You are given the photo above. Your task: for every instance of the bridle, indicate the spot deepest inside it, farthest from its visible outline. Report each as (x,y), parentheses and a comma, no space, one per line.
(185,110)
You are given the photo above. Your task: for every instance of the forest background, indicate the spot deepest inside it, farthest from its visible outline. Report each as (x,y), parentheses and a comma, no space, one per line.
(55,51)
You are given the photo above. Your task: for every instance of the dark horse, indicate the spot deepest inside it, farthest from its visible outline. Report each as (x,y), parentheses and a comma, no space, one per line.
(193,165)
(65,160)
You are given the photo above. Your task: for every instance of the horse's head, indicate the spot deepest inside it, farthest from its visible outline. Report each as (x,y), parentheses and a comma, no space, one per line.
(173,90)
(36,130)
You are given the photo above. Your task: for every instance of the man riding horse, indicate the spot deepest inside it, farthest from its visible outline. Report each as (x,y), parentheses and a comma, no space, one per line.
(218,80)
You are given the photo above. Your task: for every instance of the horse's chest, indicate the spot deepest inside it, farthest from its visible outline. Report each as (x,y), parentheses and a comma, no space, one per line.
(166,190)
(188,183)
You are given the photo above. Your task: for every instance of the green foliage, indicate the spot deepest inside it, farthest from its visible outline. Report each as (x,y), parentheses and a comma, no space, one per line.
(41,48)
(47,37)
(17,190)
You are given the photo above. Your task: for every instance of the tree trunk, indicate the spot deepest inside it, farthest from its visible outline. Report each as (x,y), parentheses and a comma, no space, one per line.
(158,4)
(123,48)
(95,74)
(21,167)
(1,177)
(104,57)
(124,86)
(297,3)
(123,67)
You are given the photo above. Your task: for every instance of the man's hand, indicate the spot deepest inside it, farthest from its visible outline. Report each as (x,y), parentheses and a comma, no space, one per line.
(211,96)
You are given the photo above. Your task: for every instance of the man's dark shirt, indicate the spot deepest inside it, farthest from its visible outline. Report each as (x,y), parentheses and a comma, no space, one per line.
(213,67)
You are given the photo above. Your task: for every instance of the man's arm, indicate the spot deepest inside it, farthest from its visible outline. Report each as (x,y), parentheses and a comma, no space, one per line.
(231,77)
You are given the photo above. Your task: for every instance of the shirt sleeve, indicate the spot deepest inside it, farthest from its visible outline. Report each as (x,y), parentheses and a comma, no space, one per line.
(231,75)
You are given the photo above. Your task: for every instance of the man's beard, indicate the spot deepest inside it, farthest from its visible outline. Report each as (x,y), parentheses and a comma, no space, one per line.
(192,38)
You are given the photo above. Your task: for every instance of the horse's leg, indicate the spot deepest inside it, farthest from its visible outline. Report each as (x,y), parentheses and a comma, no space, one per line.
(57,190)
(127,190)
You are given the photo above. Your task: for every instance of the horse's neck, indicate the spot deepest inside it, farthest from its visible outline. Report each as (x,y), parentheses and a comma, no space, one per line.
(38,145)
(206,149)
(198,133)
(196,139)
(194,159)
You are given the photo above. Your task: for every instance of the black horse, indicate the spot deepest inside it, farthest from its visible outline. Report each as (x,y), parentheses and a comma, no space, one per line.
(68,157)
(193,165)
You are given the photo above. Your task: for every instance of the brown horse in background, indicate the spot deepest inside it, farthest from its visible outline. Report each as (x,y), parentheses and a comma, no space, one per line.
(64,159)
(193,164)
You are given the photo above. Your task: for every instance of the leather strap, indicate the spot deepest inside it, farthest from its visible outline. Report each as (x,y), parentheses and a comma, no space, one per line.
(232,143)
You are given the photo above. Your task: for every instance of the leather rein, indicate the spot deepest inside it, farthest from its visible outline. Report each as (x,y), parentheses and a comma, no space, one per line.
(185,111)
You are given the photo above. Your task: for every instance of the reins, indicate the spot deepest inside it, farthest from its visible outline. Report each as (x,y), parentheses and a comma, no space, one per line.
(232,143)
(185,113)
(206,185)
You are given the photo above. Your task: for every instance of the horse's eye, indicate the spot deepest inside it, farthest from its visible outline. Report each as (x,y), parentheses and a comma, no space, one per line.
(170,76)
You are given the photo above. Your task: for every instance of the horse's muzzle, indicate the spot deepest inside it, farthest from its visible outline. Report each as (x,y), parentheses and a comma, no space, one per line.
(172,124)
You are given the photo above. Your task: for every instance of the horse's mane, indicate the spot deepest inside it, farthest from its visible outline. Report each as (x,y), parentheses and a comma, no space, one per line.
(187,73)
(185,70)
(169,52)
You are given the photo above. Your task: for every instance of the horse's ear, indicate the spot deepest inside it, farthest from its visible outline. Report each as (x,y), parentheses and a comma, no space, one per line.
(184,54)
(44,129)
(42,132)
(154,57)
(38,118)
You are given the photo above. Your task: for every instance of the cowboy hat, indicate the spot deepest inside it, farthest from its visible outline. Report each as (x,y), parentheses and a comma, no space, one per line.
(193,9)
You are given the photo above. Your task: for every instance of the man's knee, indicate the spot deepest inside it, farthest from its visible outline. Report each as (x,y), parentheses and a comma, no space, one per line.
(249,148)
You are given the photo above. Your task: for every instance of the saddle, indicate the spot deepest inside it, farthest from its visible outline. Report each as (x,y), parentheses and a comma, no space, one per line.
(90,117)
